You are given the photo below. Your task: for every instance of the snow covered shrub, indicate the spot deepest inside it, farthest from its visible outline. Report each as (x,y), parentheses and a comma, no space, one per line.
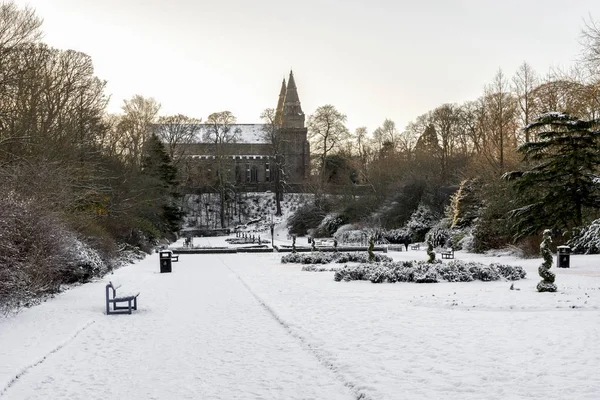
(483,272)
(326,258)
(314,268)
(510,272)
(348,235)
(421,221)
(425,272)
(346,257)
(587,239)
(379,273)
(82,262)
(454,271)
(308,258)
(397,236)
(547,283)
(439,237)
(292,258)
(466,243)
(128,254)
(38,253)
(351,273)
(309,216)
(402,271)
(329,225)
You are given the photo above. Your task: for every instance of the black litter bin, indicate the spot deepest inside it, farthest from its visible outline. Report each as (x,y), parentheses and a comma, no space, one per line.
(563,256)
(165,261)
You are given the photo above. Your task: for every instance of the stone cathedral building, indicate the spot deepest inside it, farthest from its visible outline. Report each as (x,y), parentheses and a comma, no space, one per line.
(251,153)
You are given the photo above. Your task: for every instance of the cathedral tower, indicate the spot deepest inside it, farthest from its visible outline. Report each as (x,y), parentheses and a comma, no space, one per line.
(295,147)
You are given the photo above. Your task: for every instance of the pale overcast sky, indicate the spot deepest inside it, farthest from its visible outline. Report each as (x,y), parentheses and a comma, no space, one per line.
(372,59)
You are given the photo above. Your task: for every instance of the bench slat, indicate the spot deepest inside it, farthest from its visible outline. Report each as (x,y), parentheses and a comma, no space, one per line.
(123,298)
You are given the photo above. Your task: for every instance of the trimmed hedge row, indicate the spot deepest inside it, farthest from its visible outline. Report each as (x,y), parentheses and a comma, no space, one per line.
(424,272)
(326,258)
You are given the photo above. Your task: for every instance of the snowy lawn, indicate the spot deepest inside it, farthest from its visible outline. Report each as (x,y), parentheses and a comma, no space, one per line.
(244,326)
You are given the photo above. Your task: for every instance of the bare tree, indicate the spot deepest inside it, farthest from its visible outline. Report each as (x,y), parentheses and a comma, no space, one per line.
(387,133)
(501,126)
(17,26)
(590,39)
(326,130)
(524,83)
(139,113)
(175,130)
(446,119)
(221,133)
(272,133)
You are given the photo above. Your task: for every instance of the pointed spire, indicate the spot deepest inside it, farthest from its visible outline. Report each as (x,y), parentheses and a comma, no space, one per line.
(280,103)
(291,95)
(293,116)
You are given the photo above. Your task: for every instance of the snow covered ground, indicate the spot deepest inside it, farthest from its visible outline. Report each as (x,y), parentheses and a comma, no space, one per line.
(245,326)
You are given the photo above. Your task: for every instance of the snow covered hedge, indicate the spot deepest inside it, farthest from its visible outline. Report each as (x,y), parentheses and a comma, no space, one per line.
(587,240)
(326,258)
(423,272)
(38,254)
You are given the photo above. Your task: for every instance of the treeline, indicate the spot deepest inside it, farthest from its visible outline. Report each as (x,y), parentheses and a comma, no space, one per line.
(451,160)
(71,177)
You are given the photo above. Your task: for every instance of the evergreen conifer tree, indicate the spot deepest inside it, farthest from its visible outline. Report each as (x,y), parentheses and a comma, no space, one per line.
(559,181)
(160,181)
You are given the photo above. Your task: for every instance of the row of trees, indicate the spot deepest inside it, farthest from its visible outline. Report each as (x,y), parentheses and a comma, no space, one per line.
(102,176)
(508,128)
(112,176)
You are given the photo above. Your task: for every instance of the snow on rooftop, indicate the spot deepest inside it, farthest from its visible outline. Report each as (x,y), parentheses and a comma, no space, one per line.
(244,133)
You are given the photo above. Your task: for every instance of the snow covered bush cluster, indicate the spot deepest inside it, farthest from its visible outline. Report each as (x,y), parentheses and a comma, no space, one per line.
(329,225)
(316,268)
(326,258)
(348,235)
(587,240)
(38,254)
(424,272)
(439,237)
(421,221)
(397,236)
(128,254)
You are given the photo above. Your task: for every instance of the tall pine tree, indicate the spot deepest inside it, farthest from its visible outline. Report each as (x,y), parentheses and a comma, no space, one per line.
(161,183)
(559,181)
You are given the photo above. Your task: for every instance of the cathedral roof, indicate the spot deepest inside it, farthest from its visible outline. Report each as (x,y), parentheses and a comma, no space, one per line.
(244,133)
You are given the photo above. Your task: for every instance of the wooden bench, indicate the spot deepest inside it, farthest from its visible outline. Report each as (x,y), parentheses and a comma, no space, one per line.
(447,253)
(415,246)
(130,299)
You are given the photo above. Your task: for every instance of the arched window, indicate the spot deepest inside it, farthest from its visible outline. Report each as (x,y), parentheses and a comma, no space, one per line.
(253,174)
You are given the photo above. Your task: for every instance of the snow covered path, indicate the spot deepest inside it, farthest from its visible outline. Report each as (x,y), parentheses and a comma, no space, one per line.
(245,326)
(198,334)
